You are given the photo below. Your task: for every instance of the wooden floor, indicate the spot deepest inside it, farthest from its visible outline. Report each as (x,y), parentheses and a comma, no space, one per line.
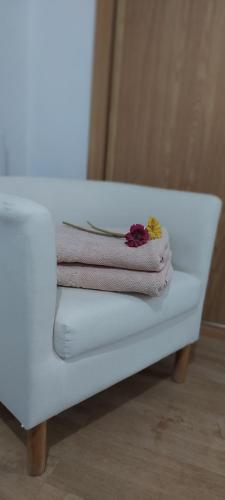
(146,438)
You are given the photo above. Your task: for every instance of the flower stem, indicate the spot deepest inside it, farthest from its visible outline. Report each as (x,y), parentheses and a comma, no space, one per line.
(106,231)
(81,228)
(99,231)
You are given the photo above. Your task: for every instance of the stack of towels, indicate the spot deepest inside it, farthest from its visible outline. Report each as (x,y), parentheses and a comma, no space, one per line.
(99,262)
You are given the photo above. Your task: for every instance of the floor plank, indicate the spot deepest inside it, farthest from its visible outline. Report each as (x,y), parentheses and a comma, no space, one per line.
(146,438)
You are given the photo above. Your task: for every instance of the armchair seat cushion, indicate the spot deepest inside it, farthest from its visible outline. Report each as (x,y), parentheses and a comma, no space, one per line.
(87,320)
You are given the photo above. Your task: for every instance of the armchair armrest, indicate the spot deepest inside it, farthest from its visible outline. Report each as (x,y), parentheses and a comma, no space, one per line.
(27,295)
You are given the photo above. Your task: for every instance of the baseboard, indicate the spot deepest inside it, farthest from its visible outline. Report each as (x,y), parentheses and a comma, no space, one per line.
(213,330)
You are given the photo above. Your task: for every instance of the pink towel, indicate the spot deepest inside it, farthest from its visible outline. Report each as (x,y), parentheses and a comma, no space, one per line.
(75,246)
(114,280)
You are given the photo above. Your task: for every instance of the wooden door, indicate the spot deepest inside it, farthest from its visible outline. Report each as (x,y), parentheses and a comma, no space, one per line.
(166,121)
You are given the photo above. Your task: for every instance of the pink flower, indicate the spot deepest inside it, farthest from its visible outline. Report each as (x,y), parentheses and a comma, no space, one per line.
(137,236)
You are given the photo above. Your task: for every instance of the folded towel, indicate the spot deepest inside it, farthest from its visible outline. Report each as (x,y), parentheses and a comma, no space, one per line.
(75,246)
(114,280)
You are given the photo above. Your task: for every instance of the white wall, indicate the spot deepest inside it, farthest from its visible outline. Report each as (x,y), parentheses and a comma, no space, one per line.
(61,34)
(13,83)
(46,49)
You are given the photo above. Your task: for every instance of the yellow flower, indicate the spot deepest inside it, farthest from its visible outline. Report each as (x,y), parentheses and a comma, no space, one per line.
(154,228)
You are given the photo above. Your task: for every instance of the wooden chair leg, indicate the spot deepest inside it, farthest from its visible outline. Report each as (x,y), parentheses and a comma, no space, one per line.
(37,449)
(181,364)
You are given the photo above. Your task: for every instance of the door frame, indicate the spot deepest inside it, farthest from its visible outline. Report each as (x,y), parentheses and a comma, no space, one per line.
(101,86)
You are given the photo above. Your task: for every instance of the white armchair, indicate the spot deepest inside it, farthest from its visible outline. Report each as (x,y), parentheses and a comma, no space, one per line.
(59,346)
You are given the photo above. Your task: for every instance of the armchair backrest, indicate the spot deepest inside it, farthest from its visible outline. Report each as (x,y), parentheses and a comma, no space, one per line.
(191,218)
